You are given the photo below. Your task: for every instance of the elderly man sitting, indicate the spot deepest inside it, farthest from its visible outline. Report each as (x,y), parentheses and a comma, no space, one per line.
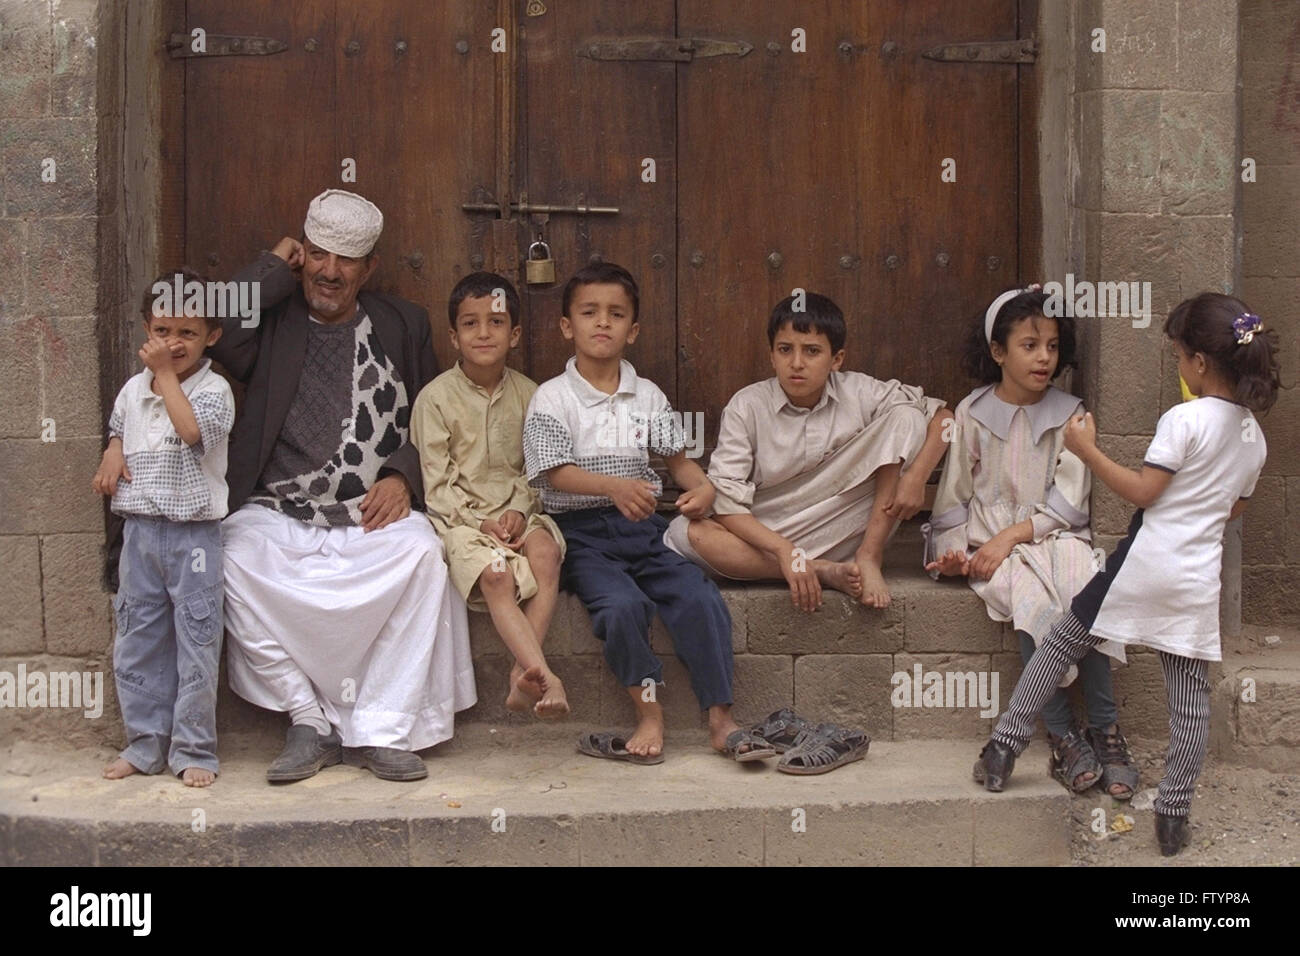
(338,602)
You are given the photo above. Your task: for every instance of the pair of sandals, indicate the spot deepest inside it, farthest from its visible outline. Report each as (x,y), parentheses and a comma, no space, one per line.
(1105,756)
(808,748)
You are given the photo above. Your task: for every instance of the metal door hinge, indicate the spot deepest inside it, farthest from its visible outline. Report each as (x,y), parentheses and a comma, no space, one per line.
(997,51)
(679,49)
(181,45)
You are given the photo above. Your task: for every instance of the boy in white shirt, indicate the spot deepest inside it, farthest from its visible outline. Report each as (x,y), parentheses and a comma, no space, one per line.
(165,468)
(586,437)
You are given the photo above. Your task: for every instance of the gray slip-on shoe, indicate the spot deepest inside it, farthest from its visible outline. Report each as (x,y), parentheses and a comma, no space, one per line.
(386,763)
(305,753)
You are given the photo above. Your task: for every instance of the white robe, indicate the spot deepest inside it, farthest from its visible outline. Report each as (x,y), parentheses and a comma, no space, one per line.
(364,624)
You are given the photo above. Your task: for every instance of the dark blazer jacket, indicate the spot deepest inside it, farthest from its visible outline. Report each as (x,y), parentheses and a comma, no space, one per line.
(268,359)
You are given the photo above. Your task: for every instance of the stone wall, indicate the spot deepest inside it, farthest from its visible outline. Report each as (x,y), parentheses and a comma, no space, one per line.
(1154,199)
(1147,154)
(1270,252)
(56,143)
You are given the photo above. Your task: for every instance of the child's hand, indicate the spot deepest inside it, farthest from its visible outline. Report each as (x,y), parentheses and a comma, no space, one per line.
(909,496)
(951,564)
(513,524)
(634,498)
(156,356)
(697,502)
(112,467)
(1081,434)
(985,562)
(805,588)
(496,528)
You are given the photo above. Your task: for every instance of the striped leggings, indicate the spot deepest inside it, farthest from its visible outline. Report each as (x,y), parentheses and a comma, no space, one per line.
(1187,686)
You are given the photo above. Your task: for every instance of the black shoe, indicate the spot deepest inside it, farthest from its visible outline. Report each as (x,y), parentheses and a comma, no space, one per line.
(305,753)
(993,769)
(1171,833)
(386,763)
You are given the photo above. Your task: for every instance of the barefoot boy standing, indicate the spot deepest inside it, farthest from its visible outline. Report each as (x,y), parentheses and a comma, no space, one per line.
(467,425)
(165,467)
(809,466)
(585,444)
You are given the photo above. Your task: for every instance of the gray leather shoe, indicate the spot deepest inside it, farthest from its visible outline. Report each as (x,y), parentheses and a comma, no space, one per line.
(305,752)
(386,763)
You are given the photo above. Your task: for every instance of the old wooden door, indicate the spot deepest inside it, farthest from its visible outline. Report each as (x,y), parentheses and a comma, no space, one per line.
(809,152)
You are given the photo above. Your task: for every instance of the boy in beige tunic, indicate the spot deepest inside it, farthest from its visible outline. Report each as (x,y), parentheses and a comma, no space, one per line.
(467,425)
(815,467)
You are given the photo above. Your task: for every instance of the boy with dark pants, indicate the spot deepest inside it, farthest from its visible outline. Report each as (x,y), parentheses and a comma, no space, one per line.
(585,446)
(165,468)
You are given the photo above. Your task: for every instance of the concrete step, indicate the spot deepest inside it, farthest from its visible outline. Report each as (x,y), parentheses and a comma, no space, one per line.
(845,663)
(1255,713)
(906,803)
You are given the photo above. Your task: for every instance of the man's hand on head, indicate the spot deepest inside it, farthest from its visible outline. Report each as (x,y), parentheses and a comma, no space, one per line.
(291,251)
(388,500)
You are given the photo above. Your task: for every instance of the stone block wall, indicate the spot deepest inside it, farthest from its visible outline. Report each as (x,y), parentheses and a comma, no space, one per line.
(1270,252)
(57,616)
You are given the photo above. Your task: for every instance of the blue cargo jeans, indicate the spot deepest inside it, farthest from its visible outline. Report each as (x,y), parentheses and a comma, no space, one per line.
(168,648)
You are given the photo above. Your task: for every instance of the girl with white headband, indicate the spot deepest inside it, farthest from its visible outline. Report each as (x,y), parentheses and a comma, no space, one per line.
(1160,586)
(1011,515)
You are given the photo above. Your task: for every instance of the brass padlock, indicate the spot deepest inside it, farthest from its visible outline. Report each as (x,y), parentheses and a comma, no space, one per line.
(540,270)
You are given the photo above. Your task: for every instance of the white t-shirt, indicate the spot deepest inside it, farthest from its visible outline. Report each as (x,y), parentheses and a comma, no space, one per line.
(571,422)
(170,479)
(1165,593)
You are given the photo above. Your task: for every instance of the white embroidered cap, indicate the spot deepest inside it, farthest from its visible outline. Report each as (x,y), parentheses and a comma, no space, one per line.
(343,223)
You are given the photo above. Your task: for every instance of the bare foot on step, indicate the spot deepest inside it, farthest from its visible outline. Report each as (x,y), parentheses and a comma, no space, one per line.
(118,769)
(875,593)
(197,777)
(648,740)
(843,576)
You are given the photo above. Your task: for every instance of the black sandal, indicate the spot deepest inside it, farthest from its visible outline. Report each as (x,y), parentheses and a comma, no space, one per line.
(754,747)
(824,748)
(1116,761)
(1171,833)
(781,729)
(1072,756)
(994,767)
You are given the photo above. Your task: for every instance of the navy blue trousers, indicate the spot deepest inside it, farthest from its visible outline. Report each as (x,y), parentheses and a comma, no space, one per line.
(622,572)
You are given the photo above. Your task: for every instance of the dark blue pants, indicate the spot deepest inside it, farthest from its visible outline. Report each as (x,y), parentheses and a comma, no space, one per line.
(1098,692)
(622,572)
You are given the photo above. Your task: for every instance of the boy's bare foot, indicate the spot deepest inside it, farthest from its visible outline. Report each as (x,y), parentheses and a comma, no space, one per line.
(722,727)
(197,777)
(843,576)
(554,703)
(875,593)
(525,691)
(118,769)
(648,739)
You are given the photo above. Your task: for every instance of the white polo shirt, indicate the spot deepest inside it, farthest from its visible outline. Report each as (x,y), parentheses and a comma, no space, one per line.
(170,479)
(571,422)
